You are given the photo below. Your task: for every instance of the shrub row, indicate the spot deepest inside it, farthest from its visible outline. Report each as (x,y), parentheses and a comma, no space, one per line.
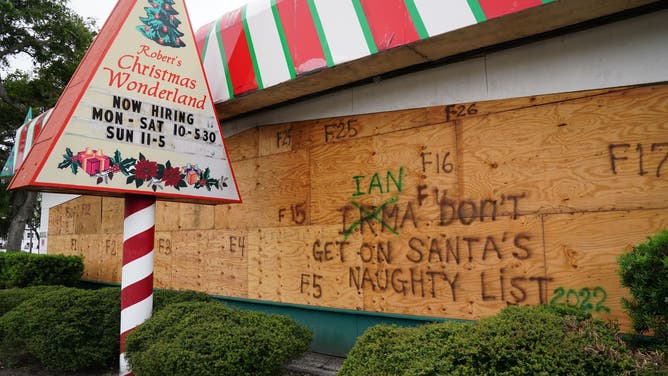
(68,329)
(208,338)
(542,340)
(20,269)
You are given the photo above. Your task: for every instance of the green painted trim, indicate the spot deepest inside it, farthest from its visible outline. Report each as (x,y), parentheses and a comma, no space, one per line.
(249,39)
(548,1)
(365,27)
(223,58)
(417,19)
(477,11)
(338,310)
(284,40)
(321,33)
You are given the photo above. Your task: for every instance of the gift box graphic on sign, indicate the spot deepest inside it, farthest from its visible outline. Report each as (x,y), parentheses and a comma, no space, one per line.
(93,161)
(192,174)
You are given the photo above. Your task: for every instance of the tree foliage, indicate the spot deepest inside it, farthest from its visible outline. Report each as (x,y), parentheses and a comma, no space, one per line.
(54,39)
(644,271)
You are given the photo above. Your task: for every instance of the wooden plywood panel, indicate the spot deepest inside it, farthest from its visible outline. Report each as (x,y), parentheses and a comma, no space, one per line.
(195,216)
(90,247)
(459,111)
(278,198)
(58,243)
(87,211)
(65,221)
(186,257)
(373,175)
(110,257)
(162,259)
(166,217)
(580,155)
(282,190)
(224,268)
(243,145)
(56,227)
(456,271)
(581,254)
(235,216)
(452,211)
(262,278)
(346,128)
(299,267)
(281,138)
(112,215)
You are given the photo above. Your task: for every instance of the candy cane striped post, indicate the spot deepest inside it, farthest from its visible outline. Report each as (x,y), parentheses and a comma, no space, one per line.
(137,274)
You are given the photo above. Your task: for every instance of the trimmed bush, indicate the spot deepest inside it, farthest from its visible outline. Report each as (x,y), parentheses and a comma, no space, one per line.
(68,329)
(11,298)
(163,298)
(19,269)
(644,271)
(64,329)
(209,338)
(541,340)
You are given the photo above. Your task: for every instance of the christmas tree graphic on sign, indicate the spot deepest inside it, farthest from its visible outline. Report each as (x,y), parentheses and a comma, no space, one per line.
(161,24)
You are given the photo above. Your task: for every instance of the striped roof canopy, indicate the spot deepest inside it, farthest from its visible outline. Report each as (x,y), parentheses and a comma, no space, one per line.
(268,42)
(23,141)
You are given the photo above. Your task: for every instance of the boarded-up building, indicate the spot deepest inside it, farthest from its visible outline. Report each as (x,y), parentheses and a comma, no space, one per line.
(446,176)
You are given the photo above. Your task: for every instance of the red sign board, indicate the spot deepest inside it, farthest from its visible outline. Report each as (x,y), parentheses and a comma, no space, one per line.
(137,116)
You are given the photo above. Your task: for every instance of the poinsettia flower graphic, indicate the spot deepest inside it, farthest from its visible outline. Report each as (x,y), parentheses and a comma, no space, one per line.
(172,176)
(145,169)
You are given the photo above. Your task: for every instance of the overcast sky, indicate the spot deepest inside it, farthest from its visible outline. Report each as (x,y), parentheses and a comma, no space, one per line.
(200,12)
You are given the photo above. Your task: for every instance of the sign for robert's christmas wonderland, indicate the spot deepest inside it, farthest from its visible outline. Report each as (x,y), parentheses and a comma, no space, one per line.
(137,117)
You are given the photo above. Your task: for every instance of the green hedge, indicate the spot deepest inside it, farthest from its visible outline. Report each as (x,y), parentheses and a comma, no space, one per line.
(644,271)
(64,329)
(212,339)
(20,269)
(541,340)
(68,329)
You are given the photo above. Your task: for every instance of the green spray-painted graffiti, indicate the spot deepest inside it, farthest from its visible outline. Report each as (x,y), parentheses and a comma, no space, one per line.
(590,300)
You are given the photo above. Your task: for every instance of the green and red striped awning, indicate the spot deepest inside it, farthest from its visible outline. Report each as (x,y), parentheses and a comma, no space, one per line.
(268,42)
(23,141)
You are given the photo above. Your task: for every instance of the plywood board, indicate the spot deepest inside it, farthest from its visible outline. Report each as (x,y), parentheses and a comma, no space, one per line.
(600,153)
(293,267)
(369,174)
(283,138)
(225,263)
(243,145)
(166,216)
(582,251)
(458,271)
(236,216)
(187,247)
(162,259)
(112,215)
(452,211)
(195,216)
(346,128)
(276,192)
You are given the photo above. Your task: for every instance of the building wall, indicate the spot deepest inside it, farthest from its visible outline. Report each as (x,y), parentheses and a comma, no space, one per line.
(448,211)
(484,200)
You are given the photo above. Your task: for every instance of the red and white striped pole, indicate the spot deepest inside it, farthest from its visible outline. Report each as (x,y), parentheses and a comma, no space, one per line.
(137,274)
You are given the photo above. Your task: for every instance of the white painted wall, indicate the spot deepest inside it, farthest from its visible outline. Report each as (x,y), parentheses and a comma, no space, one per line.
(633,51)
